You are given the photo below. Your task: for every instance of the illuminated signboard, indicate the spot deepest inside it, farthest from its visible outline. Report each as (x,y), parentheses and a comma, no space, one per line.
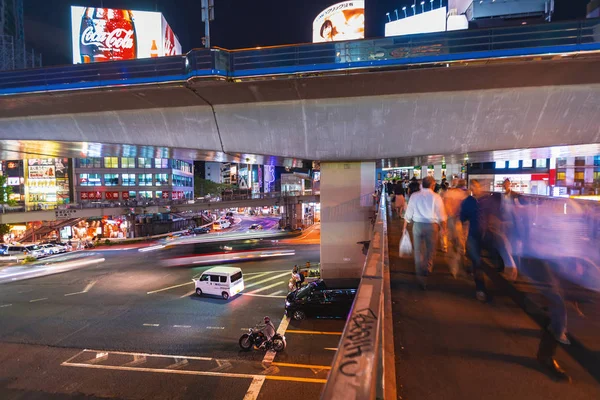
(427,22)
(341,21)
(13,181)
(106,34)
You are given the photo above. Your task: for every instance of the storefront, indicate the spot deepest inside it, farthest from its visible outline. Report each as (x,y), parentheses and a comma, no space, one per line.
(47,182)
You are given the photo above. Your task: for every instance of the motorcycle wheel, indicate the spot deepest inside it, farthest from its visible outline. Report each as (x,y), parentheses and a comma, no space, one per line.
(245,342)
(278,344)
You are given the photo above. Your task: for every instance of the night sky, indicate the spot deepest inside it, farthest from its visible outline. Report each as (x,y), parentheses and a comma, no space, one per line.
(238,23)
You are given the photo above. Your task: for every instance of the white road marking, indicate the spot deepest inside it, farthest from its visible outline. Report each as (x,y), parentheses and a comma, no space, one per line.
(268,279)
(267,287)
(263,295)
(179,363)
(137,360)
(170,287)
(36,300)
(182,326)
(254,389)
(188,294)
(151,324)
(5,305)
(259,275)
(331,348)
(256,385)
(87,289)
(126,353)
(278,292)
(215,327)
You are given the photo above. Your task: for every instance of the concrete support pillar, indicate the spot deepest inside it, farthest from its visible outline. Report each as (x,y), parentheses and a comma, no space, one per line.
(437,172)
(346,205)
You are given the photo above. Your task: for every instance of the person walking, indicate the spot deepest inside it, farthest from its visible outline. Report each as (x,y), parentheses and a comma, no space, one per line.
(470,211)
(455,239)
(426,212)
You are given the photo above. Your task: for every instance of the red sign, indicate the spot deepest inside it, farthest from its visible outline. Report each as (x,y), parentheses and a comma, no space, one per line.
(111,195)
(106,34)
(165,195)
(84,195)
(125,195)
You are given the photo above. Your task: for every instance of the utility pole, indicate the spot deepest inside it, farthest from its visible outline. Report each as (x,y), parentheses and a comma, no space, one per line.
(208,14)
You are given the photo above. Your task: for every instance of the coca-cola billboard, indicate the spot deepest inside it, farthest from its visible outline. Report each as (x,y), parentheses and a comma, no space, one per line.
(106,34)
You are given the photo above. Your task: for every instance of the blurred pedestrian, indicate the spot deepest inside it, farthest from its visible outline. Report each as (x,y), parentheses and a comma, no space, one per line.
(455,236)
(470,212)
(426,211)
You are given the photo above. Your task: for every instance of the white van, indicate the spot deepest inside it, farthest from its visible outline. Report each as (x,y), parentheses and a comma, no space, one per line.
(220,281)
(221,224)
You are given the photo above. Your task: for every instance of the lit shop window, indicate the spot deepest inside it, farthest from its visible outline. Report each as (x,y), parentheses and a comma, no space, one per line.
(144,163)
(161,179)
(111,162)
(145,194)
(90,180)
(128,162)
(543,163)
(161,163)
(91,162)
(145,179)
(111,179)
(128,179)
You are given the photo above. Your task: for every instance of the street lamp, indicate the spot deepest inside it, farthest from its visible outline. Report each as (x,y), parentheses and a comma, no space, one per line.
(414,10)
(397,17)
(422,6)
(388,15)
(404,9)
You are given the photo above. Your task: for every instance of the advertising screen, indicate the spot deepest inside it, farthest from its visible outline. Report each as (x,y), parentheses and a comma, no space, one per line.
(341,21)
(427,22)
(106,34)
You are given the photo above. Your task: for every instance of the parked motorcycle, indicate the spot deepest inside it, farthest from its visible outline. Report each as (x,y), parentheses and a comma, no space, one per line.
(254,337)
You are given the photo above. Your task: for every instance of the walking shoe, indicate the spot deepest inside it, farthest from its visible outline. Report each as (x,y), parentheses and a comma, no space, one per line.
(553,368)
(481,296)
(560,338)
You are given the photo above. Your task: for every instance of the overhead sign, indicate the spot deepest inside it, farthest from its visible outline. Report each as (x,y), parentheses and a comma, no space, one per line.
(106,34)
(427,22)
(341,21)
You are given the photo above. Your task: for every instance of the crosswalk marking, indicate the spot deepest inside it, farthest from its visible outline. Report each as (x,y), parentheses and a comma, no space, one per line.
(268,279)
(267,287)
(256,276)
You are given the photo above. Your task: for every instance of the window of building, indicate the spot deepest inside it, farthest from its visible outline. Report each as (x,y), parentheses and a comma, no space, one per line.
(182,180)
(90,180)
(513,164)
(144,162)
(144,194)
(580,161)
(579,175)
(111,179)
(111,162)
(597,161)
(560,163)
(145,180)
(561,176)
(128,162)
(597,175)
(90,162)
(128,179)
(159,194)
(527,163)
(161,179)
(500,164)
(132,194)
(182,166)
(161,162)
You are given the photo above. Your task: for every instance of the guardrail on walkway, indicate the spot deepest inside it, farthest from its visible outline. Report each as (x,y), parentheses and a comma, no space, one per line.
(364,365)
(216,63)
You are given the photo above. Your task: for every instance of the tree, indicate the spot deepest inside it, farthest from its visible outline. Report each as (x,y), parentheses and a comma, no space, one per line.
(205,187)
(5,200)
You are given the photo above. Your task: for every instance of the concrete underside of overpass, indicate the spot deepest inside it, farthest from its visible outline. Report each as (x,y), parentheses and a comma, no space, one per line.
(362,116)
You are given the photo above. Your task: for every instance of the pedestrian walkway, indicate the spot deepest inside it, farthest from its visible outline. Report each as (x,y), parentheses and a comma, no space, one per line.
(450,346)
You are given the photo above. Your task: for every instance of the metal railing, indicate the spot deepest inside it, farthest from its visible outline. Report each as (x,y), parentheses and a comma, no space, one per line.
(434,48)
(364,366)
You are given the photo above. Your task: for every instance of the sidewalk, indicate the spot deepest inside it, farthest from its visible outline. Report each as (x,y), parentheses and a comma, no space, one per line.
(450,346)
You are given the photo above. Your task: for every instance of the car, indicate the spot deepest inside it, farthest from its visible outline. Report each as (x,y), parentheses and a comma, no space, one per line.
(17,251)
(256,227)
(317,300)
(49,249)
(221,224)
(201,229)
(35,251)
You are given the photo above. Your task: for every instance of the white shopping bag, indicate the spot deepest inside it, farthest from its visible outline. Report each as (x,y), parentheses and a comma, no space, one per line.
(405,245)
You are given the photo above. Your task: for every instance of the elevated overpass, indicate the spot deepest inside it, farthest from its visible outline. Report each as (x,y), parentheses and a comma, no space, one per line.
(450,93)
(90,211)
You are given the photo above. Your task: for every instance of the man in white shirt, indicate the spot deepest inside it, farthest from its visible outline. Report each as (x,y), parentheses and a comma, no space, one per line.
(426,210)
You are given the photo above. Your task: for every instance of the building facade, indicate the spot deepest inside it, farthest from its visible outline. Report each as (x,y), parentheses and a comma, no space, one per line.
(14,54)
(133,178)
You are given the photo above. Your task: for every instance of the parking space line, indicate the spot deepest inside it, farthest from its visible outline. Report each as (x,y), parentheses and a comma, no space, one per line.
(215,327)
(278,292)
(170,287)
(254,389)
(315,333)
(127,353)
(305,366)
(36,300)
(188,294)
(295,379)
(182,326)
(268,279)
(267,287)
(151,324)
(5,305)
(262,295)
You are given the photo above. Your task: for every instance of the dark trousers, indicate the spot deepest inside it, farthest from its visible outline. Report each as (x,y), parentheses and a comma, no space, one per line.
(474,254)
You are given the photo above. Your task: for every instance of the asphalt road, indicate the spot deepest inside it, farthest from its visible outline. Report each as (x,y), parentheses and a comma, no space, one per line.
(129,328)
